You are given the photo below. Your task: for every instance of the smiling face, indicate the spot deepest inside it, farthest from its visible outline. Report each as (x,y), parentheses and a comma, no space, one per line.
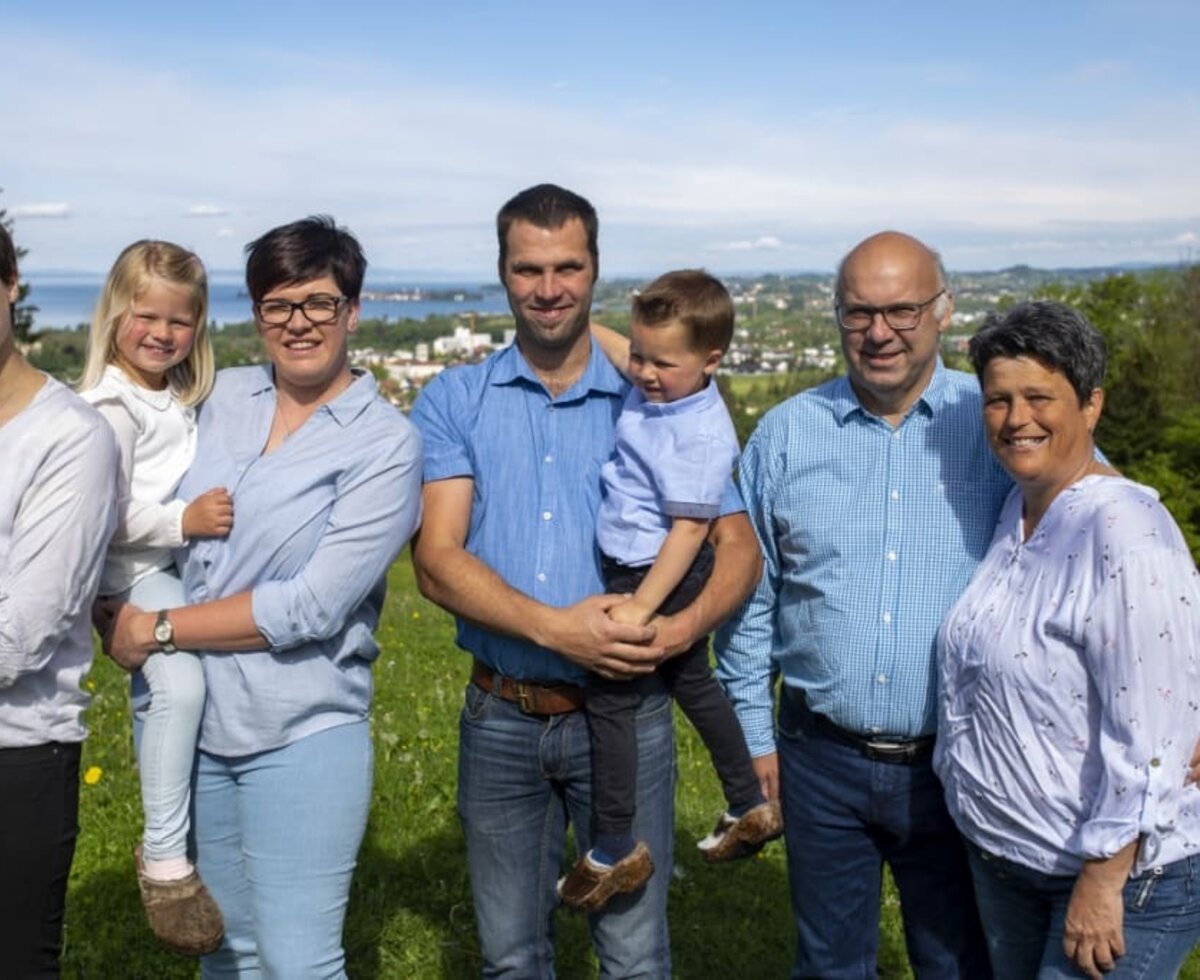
(157,332)
(663,363)
(1036,425)
(309,358)
(548,274)
(889,369)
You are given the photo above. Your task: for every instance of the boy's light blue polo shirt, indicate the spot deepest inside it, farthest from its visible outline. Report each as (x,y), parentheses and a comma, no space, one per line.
(672,459)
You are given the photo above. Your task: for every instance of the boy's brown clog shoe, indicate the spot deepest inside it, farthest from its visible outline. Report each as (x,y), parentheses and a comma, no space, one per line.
(589,886)
(739,837)
(182,914)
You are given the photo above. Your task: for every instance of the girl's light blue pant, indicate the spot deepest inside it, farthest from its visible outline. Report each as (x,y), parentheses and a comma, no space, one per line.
(168,700)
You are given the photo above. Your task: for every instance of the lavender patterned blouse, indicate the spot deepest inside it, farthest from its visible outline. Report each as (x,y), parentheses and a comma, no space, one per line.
(1070,684)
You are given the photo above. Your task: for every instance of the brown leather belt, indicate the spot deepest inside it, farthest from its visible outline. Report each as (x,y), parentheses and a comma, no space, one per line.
(532,698)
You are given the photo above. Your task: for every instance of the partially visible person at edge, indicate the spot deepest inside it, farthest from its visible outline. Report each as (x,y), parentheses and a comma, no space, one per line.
(674,458)
(325,478)
(513,450)
(1070,682)
(874,496)
(57,513)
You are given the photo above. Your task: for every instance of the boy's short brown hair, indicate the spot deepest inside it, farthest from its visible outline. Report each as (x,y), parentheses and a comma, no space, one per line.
(694,298)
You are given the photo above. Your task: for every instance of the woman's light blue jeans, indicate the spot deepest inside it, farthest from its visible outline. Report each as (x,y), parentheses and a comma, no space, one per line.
(277,837)
(168,700)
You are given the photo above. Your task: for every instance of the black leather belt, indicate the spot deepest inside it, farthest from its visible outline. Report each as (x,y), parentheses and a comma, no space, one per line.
(877,748)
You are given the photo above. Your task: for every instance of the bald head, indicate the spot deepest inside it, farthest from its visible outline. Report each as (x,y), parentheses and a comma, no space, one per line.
(892,250)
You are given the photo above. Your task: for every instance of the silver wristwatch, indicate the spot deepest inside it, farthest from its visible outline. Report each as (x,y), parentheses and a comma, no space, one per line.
(164,633)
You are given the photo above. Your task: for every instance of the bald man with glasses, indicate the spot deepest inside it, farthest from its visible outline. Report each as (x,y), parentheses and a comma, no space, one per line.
(874,496)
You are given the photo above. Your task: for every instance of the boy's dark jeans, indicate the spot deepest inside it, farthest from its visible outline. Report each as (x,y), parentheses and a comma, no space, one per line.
(688,677)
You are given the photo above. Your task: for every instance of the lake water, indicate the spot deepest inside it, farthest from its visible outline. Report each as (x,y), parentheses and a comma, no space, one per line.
(67,299)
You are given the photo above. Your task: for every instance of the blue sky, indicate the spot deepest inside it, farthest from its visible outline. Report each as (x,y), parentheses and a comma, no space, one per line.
(741,137)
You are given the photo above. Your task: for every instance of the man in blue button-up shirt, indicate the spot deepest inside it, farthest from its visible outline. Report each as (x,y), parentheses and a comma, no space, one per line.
(513,450)
(874,496)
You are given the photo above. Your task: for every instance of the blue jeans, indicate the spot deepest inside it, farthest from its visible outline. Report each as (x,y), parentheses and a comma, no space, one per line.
(521,779)
(168,700)
(1024,910)
(843,816)
(277,836)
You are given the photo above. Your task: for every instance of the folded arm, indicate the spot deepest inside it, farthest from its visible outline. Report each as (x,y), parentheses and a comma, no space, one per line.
(459,582)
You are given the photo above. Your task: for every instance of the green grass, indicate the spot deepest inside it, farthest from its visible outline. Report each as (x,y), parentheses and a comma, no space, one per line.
(410,908)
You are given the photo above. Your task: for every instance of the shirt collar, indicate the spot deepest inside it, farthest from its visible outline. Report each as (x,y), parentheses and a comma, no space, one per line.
(346,407)
(930,402)
(158,399)
(695,402)
(599,375)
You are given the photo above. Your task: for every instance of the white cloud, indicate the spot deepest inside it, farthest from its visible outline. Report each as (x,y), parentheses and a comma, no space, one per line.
(764,243)
(54,209)
(418,167)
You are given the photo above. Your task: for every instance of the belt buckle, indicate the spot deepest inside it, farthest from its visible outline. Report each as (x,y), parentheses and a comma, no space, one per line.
(525,698)
(893,750)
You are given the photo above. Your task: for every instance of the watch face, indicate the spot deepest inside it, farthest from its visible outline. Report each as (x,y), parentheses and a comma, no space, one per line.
(163,631)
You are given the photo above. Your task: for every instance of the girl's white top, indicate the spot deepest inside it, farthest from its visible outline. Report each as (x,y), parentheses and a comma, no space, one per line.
(156,436)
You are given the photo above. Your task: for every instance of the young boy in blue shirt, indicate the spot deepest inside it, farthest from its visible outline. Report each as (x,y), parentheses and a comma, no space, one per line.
(674,457)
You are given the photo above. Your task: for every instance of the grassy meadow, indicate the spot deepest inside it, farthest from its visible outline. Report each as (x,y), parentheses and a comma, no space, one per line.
(410,908)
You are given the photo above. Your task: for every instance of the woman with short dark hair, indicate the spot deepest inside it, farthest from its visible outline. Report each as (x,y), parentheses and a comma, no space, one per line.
(1070,682)
(325,476)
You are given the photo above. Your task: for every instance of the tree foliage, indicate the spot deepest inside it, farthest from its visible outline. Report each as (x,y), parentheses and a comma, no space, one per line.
(23,315)
(1150,429)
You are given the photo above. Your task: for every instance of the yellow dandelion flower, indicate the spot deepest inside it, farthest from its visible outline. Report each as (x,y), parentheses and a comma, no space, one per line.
(416,615)
(93,774)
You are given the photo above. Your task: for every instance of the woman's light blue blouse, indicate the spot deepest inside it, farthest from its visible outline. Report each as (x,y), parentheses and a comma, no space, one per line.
(317,523)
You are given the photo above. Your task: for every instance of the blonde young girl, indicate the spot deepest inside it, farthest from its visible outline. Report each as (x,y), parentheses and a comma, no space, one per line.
(149,363)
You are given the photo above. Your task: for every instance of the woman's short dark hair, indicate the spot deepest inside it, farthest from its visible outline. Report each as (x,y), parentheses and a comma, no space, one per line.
(1054,334)
(305,249)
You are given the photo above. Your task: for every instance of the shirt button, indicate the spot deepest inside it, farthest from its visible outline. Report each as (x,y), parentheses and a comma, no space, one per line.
(896,434)
(1156,762)
(891,556)
(886,617)
(548,458)
(881,679)
(895,494)
(541,576)
(546,515)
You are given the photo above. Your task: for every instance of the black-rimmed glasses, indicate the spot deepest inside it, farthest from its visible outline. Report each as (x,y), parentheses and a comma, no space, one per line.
(316,309)
(898,316)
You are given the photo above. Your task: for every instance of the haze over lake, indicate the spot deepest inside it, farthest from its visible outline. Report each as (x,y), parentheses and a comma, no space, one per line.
(66,299)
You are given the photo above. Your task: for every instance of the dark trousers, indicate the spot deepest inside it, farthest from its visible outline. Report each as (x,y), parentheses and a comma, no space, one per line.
(689,679)
(39,821)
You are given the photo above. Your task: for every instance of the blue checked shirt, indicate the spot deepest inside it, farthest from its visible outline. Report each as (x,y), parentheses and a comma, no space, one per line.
(869,533)
(535,463)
